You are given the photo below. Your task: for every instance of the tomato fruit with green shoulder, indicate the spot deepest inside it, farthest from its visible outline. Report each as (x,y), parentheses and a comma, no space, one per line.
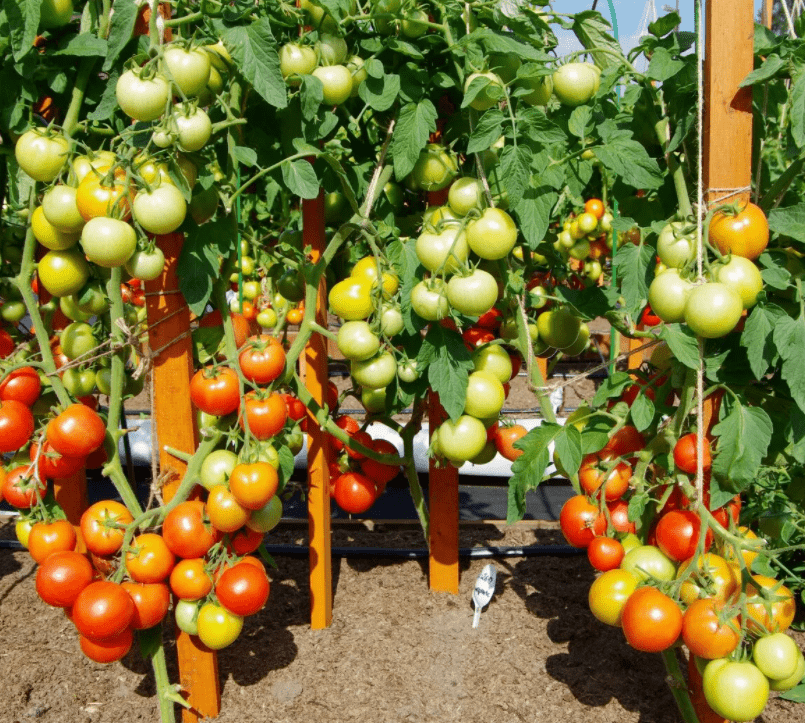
(737,691)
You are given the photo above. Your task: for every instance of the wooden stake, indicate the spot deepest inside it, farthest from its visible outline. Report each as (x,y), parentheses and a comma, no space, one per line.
(176,427)
(729,58)
(316,378)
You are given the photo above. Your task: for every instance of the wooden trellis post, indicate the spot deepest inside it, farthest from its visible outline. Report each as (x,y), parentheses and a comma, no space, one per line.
(316,380)
(169,327)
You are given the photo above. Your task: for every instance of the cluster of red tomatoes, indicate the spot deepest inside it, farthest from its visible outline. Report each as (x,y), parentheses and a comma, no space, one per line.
(732,281)
(683,583)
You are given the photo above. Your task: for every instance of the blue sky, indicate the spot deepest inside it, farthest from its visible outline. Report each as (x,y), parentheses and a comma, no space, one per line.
(630,13)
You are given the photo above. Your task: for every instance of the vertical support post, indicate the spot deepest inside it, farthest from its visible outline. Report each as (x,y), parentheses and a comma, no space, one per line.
(169,325)
(768,13)
(635,359)
(318,473)
(729,58)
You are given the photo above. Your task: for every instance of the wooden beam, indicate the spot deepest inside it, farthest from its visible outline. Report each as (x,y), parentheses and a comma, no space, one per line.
(316,378)
(729,58)
(169,324)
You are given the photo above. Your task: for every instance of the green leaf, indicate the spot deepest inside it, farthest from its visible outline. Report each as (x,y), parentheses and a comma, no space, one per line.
(84,46)
(487,131)
(529,468)
(789,337)
(789,221)
(404,48)
(663,66)
(642,412)
(497,42)
(23,23)
(300,178)
(568,449)
(795,434)
(380,93)
(254,50)
(683,344)
(121,28)
(533,123)
(629,160)
(207,341)
(757,339)
(245,155)
(481,85)
(150,640)
(415,123)
(594,32)
(534,213)
(611,387)
(770,67)
(286,467)
(796,694)
(515,167)
(311,96)
(449,363)
(581,120)
(664,25)
(743,435)
(798,109)
(108,103)
(198,266)
(586,303)
(634,267)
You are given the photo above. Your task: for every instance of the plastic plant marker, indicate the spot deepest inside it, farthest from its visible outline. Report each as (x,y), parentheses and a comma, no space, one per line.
(483,592)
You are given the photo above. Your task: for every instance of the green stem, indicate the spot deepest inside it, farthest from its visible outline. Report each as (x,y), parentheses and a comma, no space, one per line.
(77,99)
(678,686)
(151,641)
(265,171)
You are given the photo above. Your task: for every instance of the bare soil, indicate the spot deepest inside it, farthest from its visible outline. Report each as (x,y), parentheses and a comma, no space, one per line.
(395,651)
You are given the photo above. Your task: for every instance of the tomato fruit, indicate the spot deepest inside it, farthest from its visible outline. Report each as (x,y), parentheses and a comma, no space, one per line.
(742,276)
(60,209)
(491,90)
(76,432)
(263,359)
(188,69)
(736,691)
(96,198)
(429,299)
(46,538)
(357,341)
(676,248)
(186,615)
(608,595)
(62,576)
(22,385)
(712,310)
(710,577)
(141,98)
(351,299)
(776,656)
(253,485)
(41,155)
(444,251)
(336,82)
(187,532)
(576,83)
(463,439)
(704,633)
(103,526)
(375,373)
(243,589)
(465,194)
(558,328)
(686,454)
(745,234)
(668,295)
(581,521)
(215,391)
(599,469)
(265,415)
(102,610)
(50,236)
(149,559)
(651,620)
(605,553)
(51,464)
(295,61)
(225,512)
(189,579)
(435,168)
(161,210)
(151,603)
(267,517)
(63,272)
(472,295)
(779,617)
(217,627)
(16,425)
(108,650)
(493,235)
(193,127)
(354,493)
(678,534)
(648,561)
(494,360)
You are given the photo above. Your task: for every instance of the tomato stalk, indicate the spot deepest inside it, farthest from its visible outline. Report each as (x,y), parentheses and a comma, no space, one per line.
(77,98)
(678,686)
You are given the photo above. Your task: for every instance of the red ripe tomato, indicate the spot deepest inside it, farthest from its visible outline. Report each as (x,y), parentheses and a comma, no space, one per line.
(678,534)
(16,425)
(605,553)
(476,336)
(626,441)
(21,488)
(263,359)
(243,589)
(703,632)
(651,620)
(505,439)
(360,437)
(151,603)
(619,516)
(354,493)
(490,320)
(76,432)
(102,610)
(22,385)
(686,454)
(47,538)
(649,318)
(108,650)
(731,509)
(600,469)
(215,391)
(595,207)
(253,484)
(187,532)
(62,576)
(189,580)
(381,474)
(51,464)
(349,425)
(6,344)
(103,526)
(744,234)
(296,410)
(581,521)
(245,540)
(149,559)
(265,415)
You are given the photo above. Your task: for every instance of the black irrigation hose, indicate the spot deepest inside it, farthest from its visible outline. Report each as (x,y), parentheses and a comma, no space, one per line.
(472,553)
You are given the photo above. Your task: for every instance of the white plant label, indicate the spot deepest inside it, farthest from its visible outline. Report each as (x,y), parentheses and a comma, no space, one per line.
(483,592)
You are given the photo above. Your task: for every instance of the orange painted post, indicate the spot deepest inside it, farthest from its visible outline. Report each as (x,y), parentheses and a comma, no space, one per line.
(443,505)
(635,358)
(316,378)
(730,29)
(169,325)
(71,496)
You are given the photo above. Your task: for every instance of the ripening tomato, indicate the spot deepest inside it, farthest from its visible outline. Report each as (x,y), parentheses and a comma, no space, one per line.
(651,620)
(263,359)
(225,512)
(779,616)
(253,485)
(744,234)
(581,521)
(21,488)
(601,469)
(108,650)
(686,455)
(626,441)
(187,531)
(246,539)
(243,589)
(505,439)
(619,516)
(103,526)
(151,603)
(609,593)
(380,473)
(62,576)
(51,464)
(712,578)
(46,538)
(648,561)
(354,493)
(265,415)
(149,559)
(16,425)
(190,580)
(215,391)
(217,627)
(23,385)
(605,553)
(95,198)
(102,610)
(703,632)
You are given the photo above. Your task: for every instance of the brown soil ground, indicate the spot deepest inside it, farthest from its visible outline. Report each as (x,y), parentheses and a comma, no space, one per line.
(395,652)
